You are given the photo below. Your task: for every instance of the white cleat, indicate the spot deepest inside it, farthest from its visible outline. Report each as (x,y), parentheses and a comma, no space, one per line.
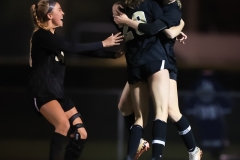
(196,154)
(143,146)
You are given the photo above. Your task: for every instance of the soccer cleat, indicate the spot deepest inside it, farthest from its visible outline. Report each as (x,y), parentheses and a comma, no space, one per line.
(143,146)
(196,154)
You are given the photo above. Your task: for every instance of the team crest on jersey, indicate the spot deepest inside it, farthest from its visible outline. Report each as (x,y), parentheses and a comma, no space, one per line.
(60,57)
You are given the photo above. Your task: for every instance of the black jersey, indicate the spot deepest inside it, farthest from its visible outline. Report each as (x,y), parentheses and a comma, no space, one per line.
(141,48)
(173,13)
(48,62)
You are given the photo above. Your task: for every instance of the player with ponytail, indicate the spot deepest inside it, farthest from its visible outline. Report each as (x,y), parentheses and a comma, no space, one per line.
(47,72)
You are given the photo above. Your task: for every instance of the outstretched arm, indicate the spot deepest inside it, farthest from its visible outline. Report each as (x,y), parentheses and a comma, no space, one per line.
(103,54)
(62,44)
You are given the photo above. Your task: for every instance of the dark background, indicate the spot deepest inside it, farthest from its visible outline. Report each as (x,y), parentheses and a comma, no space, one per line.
(96,84)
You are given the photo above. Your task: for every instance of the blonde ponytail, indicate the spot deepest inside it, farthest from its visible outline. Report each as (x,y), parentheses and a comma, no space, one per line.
(34,17)
(38,12)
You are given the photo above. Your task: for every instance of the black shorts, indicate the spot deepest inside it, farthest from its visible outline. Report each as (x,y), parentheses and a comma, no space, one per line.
(65,102)
(143,72)
(173,69)
(173,74)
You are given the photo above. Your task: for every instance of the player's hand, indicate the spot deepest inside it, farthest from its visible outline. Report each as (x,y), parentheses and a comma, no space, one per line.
(116,9)
(119,54)
(113,40)
(121,19)
(181,37)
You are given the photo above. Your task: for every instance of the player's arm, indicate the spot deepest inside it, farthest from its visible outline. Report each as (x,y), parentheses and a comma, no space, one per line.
(73,47)
(124,20)
(174,15)
(161,22)
(150,29)
(174,31)
(103,54)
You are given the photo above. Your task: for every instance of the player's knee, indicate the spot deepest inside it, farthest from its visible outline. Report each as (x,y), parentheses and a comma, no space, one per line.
(77,141)
(77,129)
(83,133)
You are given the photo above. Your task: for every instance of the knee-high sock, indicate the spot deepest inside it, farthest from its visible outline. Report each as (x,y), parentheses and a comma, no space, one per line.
(74,149)
(56,146)
(185,131)
(129,121)
(159,138)
(134,139)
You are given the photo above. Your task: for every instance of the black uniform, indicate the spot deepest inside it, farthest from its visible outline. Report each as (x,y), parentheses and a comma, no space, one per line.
(46,81)
(172,16)
(142,49)
(171,12)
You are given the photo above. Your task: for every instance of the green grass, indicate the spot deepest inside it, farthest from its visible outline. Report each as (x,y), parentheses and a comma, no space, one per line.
(94,150)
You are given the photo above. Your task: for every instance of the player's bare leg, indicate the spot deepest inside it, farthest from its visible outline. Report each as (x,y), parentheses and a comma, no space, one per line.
(125,106)
(54,113)
(182,124)
(139,96)
(159,90)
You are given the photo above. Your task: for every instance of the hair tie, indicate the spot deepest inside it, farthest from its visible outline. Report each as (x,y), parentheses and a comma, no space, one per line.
(51,5)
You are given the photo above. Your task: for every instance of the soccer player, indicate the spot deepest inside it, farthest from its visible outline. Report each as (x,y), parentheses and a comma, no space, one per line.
(147,67)
(171,9)
(46,81)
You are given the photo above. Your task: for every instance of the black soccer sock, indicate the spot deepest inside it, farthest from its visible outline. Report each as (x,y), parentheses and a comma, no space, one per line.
(129,121)
(184,130)
(134,140)
(159,138)
(74,149)
(56,146)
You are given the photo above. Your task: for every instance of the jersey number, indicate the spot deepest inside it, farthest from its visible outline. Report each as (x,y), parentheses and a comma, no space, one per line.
(137,16)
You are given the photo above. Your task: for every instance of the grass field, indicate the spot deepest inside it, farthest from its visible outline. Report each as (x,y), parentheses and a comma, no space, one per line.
(38,150)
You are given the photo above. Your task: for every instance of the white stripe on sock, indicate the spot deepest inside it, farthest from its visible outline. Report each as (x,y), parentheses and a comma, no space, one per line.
(158,142)
(185,131)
